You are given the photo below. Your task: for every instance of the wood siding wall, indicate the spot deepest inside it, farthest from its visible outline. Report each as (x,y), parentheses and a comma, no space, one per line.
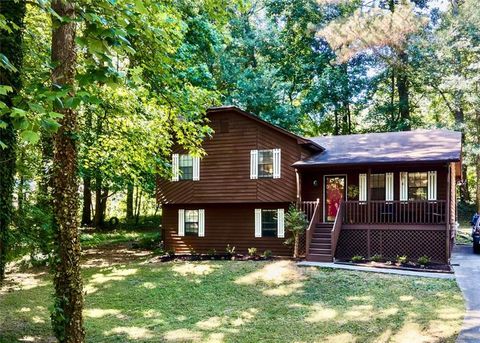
(311,192)
(225,170)
(232,224)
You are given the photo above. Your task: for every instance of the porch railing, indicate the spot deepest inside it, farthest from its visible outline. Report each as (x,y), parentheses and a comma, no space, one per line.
(337,227)
(394,212)
(308,207)
(313,217)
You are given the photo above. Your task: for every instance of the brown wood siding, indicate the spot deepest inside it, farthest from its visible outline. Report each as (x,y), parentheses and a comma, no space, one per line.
(311,192)
(232,224)
(225,170)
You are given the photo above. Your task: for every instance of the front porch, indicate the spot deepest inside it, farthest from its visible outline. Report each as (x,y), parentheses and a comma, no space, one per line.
(387,228)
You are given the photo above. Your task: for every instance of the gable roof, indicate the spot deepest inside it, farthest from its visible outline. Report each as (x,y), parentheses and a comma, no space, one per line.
(388,147)
(308,143)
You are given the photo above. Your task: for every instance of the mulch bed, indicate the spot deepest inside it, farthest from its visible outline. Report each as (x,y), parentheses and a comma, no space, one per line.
(208,257)
(431,267)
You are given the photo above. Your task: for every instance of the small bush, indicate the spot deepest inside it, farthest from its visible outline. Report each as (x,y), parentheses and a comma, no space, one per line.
(402,259)
(211,252)
(424,260)
(252,252)
(230,250)
(377,258)
(267,254)
(358,258)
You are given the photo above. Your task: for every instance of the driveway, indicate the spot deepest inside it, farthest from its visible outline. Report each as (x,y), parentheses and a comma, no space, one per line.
(467,272)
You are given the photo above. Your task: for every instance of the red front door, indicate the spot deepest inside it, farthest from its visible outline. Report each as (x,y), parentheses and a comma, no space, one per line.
(334,193)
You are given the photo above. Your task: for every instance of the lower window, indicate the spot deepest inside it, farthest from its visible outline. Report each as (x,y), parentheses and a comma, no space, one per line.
(269,223)
(191,222)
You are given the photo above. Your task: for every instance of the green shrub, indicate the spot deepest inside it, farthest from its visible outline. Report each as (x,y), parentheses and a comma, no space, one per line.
(211,252)
(402,259)
(424,260)
(230,250)
(358,258)
(267,254)
(252,252)
(296,223)
(377,258)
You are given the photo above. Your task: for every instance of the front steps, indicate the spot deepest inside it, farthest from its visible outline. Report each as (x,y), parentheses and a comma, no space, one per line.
(321,244)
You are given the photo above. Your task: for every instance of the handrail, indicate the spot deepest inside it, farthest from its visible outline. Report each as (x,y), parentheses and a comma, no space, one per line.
(311,227)
(337,226)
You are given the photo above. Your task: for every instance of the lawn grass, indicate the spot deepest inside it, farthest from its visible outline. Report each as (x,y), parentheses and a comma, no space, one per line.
(233,301)
(91,239)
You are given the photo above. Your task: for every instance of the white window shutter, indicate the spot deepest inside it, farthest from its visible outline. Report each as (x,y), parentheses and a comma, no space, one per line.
(389,187)
(403,186)
(362,187)
(196,168)
(277,163)
(175,167)
(432,185)
(181,222)
(253,164)
(258,222)
(280,223)
(201,223)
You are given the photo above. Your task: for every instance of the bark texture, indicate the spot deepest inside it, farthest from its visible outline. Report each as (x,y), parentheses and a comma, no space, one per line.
(67,318)
(11,47)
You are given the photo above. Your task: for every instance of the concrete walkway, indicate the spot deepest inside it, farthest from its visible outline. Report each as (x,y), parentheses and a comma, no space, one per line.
(467,272)
(378,270)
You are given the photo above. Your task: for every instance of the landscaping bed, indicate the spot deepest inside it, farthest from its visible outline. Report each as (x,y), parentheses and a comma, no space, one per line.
(431,267)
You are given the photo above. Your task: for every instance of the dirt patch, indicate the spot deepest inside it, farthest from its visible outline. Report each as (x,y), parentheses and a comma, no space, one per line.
(113,254)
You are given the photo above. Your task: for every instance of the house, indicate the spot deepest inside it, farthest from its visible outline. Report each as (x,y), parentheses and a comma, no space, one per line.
(381,193)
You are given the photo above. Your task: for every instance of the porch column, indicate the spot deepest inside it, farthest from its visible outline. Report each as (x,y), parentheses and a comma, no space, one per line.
(299,187)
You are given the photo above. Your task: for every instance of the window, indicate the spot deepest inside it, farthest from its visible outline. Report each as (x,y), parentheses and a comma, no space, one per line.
(417,186)
(377,186)
(269,223)
(265,163)
(186,167)
(191,222)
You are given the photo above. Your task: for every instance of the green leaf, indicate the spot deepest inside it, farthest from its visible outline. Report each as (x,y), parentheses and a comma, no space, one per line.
(140,7)
(5,89)
(31,137)
(3,125)
(50,124)
(18,113)
(3,145)
(55,115)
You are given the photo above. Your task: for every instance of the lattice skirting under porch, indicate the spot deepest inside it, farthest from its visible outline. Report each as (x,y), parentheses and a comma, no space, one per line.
(391,242)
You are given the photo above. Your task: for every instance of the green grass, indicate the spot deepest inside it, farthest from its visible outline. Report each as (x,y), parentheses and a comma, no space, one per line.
(95,238)
(226,301)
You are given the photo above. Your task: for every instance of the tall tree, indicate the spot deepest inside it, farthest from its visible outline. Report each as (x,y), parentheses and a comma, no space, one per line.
(67,315)
(12,14)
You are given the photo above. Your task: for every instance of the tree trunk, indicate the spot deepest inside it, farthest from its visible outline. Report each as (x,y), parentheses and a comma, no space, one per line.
(295,246)
(99,213)
(66,318)
(87,201)
(403,92)
(130,201)
(10,46)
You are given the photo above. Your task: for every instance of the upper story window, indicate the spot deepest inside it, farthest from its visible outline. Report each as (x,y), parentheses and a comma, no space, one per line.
(185,167)
(417,186)
(265,164)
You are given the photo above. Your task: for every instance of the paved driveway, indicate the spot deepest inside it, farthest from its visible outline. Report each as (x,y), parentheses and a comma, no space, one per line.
(467,272)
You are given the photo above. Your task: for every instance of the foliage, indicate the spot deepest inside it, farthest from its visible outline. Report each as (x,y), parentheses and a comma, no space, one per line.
(252,252)
(230,250)
(267,254)
(402,259)
(296,223)
(423,260)
(138,239)
(217,291)
(357,258)
(377,258)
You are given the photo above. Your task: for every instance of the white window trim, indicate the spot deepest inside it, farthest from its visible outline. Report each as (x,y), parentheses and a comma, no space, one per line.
(181,222)
(253,164)
(196,168)
(277,163)
(362,187)
(389,194)
(175,167)
(201,223)
(403,186)
(258,222)
(432,185)
(281,223)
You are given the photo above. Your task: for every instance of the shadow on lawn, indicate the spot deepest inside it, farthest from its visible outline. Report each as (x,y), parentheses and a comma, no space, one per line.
(247,301)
